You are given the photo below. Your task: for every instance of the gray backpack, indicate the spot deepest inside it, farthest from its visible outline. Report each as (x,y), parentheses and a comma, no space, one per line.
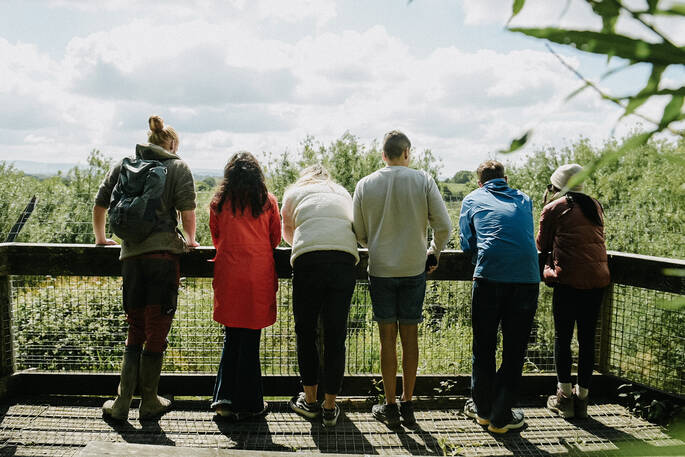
(135,199)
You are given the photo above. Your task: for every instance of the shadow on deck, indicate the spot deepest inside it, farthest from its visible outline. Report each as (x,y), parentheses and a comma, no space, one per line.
(63,426)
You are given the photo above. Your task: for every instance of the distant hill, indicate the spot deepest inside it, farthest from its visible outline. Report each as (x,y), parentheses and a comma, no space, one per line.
(41,168)
(52,168)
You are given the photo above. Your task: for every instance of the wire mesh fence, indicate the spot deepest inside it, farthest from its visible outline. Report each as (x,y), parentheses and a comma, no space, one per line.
(77,324)
(647,338)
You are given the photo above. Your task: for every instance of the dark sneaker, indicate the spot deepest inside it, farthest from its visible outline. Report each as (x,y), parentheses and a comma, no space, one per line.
(407,413)
(330,416)
(561,404)
(580,406)
(517,421)
(389,414)
(304,409)
(470,410)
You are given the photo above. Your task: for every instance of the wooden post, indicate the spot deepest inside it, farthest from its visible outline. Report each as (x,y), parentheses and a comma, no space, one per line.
(6,340)
(606,314)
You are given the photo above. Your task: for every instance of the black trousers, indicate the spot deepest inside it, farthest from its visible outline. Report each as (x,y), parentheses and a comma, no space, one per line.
(572,307)
(239,380)
(511,306)
(323,284)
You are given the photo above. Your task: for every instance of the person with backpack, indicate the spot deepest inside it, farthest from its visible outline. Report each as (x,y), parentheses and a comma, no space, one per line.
(317,222)
(571,236)
(246,227)
(142,197)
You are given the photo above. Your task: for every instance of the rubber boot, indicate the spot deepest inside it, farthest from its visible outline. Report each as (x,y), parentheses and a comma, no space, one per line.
(151,404)
(118,408)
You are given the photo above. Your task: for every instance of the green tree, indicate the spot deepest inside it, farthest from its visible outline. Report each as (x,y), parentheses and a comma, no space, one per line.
(347,160)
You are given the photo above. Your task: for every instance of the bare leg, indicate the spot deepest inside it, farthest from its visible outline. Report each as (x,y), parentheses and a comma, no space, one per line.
(388,334)
(310,393)
(329,401)
(409,335)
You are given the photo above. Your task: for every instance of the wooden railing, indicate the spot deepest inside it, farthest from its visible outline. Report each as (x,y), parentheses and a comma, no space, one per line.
(644,272)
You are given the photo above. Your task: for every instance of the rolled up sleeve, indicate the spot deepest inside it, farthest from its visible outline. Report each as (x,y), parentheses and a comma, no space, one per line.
(107,186)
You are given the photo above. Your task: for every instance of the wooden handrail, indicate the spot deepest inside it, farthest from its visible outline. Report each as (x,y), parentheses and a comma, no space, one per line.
(89,260)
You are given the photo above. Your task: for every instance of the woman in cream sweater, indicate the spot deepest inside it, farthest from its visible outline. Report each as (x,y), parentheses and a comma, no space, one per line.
(317,223)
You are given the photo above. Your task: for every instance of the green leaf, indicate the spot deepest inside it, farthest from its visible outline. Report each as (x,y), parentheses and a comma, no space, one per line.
(517,143)
(516,8)
(649,90)
(652,5)
(610,44)
(672,111)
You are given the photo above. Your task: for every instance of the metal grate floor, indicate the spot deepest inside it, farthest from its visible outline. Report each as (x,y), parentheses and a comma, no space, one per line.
(62,426)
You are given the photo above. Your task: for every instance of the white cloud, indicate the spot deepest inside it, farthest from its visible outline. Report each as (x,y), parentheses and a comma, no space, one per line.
(226,84)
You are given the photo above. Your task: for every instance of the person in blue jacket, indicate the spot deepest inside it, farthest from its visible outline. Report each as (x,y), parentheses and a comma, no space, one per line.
(496,225)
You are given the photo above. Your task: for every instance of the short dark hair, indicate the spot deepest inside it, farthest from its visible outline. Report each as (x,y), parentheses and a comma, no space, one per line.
(490,169)
(395,143)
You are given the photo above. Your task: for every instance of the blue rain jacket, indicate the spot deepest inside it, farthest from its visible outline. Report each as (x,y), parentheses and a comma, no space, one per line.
(496,224)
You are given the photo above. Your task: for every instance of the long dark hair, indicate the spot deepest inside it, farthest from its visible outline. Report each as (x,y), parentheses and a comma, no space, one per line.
(243,186)
(587,206)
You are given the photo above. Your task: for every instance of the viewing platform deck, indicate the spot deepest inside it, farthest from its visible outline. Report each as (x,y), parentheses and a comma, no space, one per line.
(64,426)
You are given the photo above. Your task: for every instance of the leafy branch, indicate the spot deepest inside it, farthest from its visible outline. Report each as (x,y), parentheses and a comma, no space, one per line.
(661,55)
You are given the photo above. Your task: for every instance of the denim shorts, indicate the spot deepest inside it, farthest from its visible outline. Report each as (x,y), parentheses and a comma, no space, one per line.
(398,299)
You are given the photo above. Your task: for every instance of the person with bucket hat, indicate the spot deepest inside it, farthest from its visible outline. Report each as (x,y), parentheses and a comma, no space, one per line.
(571,236)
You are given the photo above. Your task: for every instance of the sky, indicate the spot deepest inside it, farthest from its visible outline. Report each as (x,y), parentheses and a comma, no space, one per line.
(262,75)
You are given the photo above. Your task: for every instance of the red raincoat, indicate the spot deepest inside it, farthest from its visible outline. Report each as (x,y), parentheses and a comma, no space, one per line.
(245,280)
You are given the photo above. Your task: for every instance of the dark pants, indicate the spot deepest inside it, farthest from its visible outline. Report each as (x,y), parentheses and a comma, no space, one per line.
(150,294)
(239,380)
(572,306)
(513,306)
(323,284)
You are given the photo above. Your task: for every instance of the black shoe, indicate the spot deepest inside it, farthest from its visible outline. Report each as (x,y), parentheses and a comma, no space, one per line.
(330,416)
(580,406)
(304,409)
(407,413)
(517,421)
(470,410)
(389,414)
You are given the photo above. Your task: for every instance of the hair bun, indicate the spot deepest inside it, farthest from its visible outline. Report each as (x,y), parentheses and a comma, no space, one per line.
(156,123)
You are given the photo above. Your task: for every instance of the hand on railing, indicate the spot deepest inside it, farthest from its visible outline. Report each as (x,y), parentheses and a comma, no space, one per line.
(105,242)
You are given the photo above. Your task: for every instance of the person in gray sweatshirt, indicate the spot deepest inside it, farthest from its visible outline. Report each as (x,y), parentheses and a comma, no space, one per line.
(392,210)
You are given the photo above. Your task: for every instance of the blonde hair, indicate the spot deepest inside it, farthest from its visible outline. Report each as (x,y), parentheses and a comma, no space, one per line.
(313,174)
(160,135)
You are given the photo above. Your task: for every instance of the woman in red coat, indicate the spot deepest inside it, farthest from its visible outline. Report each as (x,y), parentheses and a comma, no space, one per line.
(246,227)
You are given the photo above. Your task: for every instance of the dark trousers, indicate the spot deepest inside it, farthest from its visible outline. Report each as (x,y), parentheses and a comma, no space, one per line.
(239,380)
(572,307)
(322,288)
(513,306)
(150,294)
